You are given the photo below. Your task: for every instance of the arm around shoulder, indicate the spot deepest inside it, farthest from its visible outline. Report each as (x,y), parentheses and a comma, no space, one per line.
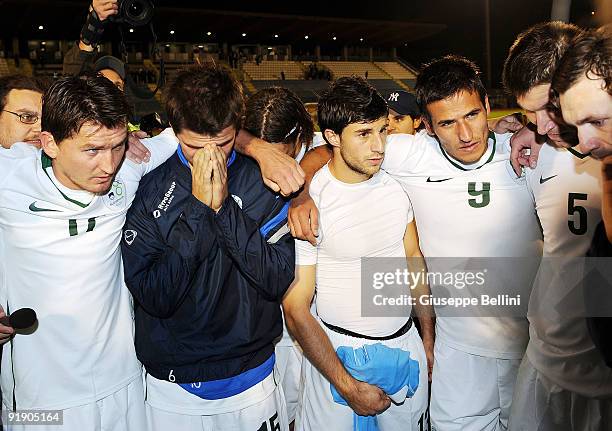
(267,263)
(280,172)
(161,148)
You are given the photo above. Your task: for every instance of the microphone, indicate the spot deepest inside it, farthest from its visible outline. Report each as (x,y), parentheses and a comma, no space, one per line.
(20,319)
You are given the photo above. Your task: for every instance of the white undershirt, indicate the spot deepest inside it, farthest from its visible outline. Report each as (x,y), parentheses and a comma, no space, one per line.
(366,219)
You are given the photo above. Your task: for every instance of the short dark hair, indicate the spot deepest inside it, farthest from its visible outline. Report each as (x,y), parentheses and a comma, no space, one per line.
(446,77)
(590,55)
(20,82)
(349,100)
(277,115)
(535,54)
(72,101)
(204,99)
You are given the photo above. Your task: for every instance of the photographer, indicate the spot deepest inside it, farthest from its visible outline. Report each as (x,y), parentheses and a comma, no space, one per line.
(81,56)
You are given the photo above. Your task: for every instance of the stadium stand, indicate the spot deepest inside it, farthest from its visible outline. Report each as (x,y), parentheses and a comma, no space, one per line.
(385,76)
(349,68)
(271,70)
(395,70)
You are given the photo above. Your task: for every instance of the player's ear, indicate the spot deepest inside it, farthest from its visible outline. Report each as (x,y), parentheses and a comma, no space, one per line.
(332,137)
(487,106)
(48,144)
(430,130)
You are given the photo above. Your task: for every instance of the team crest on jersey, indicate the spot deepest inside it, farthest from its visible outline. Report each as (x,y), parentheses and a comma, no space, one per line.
(116,196)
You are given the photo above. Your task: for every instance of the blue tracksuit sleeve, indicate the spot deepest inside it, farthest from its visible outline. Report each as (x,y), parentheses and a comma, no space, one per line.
(268,264)
(159,268)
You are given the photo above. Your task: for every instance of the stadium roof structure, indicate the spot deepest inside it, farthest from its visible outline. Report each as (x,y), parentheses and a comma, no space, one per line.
(62,19)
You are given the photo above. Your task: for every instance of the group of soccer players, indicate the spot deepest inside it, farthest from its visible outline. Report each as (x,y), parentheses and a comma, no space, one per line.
(160,300)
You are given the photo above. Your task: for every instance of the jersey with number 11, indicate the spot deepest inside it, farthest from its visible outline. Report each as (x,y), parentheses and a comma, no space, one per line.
(60,255)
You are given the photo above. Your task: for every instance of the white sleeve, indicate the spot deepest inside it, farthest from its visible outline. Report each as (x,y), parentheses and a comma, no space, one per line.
(305,253)
(11,158)
(402,153)
(162,147)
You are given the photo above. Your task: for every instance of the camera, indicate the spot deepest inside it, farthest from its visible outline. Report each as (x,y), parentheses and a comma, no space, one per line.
(134,12)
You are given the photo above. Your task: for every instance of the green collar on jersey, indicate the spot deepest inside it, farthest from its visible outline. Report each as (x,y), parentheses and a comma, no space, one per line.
(577,153)
(458,166)
(46,163)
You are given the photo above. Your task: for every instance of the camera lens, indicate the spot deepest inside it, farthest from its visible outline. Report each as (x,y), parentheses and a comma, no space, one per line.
(136,12)
(135,9)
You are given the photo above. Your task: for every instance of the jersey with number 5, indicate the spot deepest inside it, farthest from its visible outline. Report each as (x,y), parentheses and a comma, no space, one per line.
(62,258)
(566,187)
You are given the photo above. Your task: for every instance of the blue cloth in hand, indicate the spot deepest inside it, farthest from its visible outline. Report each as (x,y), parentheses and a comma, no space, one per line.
(391,369)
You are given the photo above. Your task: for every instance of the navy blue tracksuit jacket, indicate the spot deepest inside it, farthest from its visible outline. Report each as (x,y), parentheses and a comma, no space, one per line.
(207,287)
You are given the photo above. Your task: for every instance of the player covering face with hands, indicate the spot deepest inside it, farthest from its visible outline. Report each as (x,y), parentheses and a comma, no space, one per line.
(207,262)
(209,176)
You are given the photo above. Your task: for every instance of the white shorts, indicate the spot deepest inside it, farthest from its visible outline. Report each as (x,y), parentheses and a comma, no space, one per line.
(541,405)
(318,411)
(289,368)
(123,410)
(268,415)
(470,392)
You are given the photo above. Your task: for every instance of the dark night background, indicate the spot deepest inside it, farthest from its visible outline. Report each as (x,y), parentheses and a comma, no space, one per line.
(464,19)
(464,22)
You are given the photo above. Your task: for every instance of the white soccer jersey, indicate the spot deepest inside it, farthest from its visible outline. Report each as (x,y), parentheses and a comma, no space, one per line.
(287,340)
(567,190)
(563,182)
(61,257)
(477,211)
(366,219)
